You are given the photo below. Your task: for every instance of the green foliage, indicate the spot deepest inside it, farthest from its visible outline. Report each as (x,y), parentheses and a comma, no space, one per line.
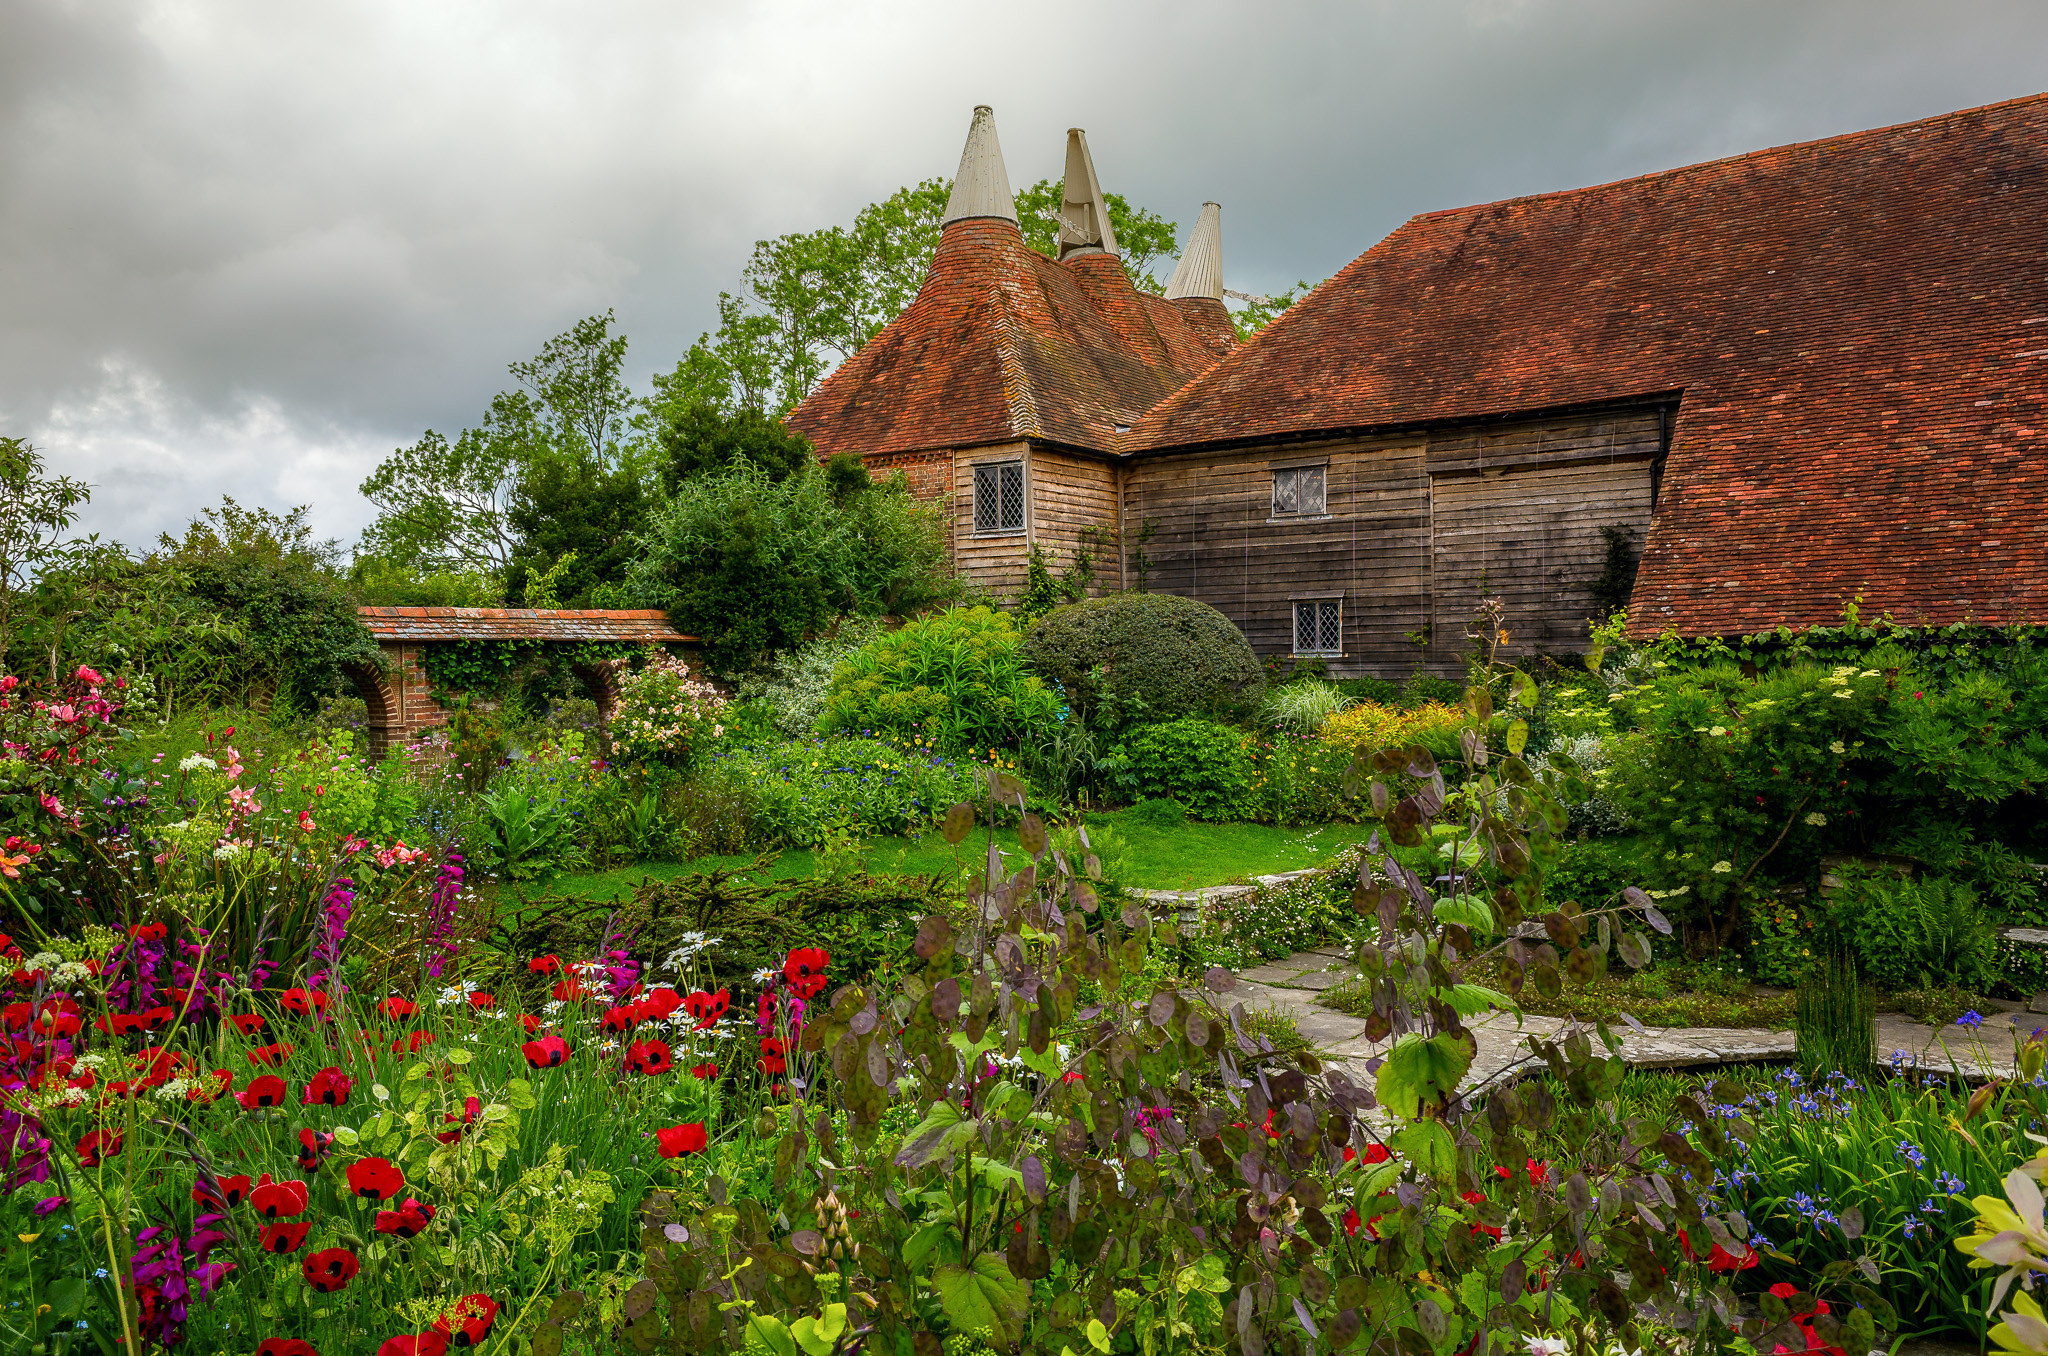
(753,565)
(1259,312)
(794,687)
(379,581)
(445,506)
(700,439)
(1302,707)
(1044,590)
(522,828)
(1837,1019)
(576,520)
(1916,935)
(36,509)
(1168,655)
(955,678)
(1199,763)
(664,713)
(1160,812)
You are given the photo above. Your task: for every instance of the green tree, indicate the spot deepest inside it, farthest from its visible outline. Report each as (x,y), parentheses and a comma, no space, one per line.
(575,379)
(447,505)
(700,439)
(573,509)
(36,510)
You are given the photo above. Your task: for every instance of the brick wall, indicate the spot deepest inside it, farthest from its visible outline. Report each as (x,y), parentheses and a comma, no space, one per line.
(930,473)
(401,700)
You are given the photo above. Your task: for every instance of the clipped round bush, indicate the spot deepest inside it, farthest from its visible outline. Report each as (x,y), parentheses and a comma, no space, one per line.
(1177,656)
(956,678)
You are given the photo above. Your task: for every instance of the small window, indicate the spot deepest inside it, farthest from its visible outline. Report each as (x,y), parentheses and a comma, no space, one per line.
(1298,492)
(1319,626)
(999,497)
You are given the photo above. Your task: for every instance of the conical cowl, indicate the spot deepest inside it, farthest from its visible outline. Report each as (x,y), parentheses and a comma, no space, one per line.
(982,187)
(1200,271)
(1084,215)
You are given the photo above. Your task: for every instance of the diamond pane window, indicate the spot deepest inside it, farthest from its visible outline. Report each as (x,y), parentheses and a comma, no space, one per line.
(999,497)
(1300,491)
(1319,626)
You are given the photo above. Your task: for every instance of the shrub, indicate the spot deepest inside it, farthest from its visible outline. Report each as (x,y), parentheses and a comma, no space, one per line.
(797,793)
(956,678)
(1203,765)
(796,684)
(1173,655)
(1370,689)
(1918,935)
(1369,726)
(1160,813)
(1303,707)
(663,713)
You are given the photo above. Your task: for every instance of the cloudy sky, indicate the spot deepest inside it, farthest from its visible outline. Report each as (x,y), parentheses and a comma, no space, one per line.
(248,248)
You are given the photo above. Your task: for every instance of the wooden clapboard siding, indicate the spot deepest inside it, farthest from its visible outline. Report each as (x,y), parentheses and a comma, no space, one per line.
(1069,494)
(994,563)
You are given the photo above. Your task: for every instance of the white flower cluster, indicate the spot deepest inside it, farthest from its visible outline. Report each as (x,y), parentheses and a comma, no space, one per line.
(662,708)
(194,762)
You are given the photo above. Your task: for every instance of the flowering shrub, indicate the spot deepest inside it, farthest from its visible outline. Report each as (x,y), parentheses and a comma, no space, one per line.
(1369,725)
(663,712)
(956,678)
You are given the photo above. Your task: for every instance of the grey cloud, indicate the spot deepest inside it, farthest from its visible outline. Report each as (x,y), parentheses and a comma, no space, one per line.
(248,248)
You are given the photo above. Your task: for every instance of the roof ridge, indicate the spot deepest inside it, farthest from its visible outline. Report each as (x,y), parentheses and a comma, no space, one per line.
(1018,393)
(1720,161)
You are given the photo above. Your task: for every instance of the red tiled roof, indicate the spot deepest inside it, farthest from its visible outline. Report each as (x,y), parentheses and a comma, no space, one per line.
(1001,344)
(519,623)
(1858,327)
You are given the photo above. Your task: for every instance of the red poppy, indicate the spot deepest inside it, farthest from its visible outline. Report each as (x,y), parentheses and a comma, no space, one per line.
(285,1346)
(470,1107)
(54,1022)
(270,1056)
(329,1087)
(546,1053)
(114,1023)
(772,1052)
(304,1002)
(414,1344)
(156,1019)
(230,1192)
(374,1179)
(282,1238)
(706,1008)
(267,1090)
(704,1070)
(1374,1153)
(648,1057)
(313,1147)
(1490,1230)
(1784,1290)
(97,1147)
(278,1200)
(411,1041)
(482,1000)
(329,1269)
(681,1139)
(530,1022)
(397,1009)
(622,1019)
(661,1002)
(544,965)
(1720,1259)
(248,1023)
(568,989)
(211,1087)
(805,970)
(148,932)
(469,1322)
(409,1220)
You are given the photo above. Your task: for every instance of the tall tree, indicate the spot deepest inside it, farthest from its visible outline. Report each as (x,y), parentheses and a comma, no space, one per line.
(445,505)
(35,512)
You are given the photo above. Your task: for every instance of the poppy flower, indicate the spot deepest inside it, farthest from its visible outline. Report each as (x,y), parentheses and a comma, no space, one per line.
(303,1002)
(248,1023)
(1722,1260)
(622,1019)
(414,1344)
(1374,1153)
(374,1179)
(544,965)
(661,1002)
(411,1041)
(114,1023)
(469,1322)
(482,1000)
(56,1023)
(1490,1230)
(286,1346)
(567,990)
(707,1008)
(313,1147)
(546,1053)
(772,1052)
(211,1087)
(530,1022)
(283,1238)
(704,1070)
(397,1009)
(156,1019)
(270,1056)
(470,1107)
(263,1091)
(98,1147)
(329,1087)
(805,970)
(649,1057)
(681,1139)
(1784,1290)
(278,1200)
(148,932)
(228,1192)
(409,1220)
(329,1269)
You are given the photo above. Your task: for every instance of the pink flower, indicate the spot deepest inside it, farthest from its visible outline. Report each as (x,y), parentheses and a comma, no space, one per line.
(89,676)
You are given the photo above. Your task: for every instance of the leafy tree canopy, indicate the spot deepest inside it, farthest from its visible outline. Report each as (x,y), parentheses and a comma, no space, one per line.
(700,439)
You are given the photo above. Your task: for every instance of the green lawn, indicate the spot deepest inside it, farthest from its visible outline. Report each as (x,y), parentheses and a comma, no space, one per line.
(1183,856)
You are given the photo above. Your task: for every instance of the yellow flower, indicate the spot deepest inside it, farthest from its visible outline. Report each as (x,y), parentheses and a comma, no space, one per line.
(2010,1236)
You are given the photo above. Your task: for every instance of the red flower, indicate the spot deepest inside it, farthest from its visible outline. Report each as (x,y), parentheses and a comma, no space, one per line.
(411,1041)
(1720,1259)
(304,1002)
(282,1238)
(414,1344)
(1784,1290)
(278,1200)
(470,1106)
(115,1024)
(329,1087)
(706,1008)
(469,1322)
(482,1000)
(329,1270)
(544,965)
(156,1019)
(313,1147)
(648,1057)
(704,1070)
(285,1346)
(97,1147)
(148,932)
(661,1002)
(397,1009)
(270,1055)
(546,1053)
(267,1090)
(1374,1153)
(772,1052)
(568,989)
(231,1192)
(621,1019)
(805,970)
(211,1087)
(681,1139)
(409,1220)
(374,1179)
(1491,1231)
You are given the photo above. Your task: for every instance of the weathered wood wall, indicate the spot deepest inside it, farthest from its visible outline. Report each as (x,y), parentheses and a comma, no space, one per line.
(1070,494)
(993,562)
(1418,525)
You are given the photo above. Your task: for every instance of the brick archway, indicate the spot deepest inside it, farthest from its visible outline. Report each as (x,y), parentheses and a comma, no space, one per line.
(401,700)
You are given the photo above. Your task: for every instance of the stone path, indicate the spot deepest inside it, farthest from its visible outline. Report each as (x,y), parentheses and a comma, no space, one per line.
(1293,987)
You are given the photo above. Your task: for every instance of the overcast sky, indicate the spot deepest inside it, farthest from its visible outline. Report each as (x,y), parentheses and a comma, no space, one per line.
(248,248)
